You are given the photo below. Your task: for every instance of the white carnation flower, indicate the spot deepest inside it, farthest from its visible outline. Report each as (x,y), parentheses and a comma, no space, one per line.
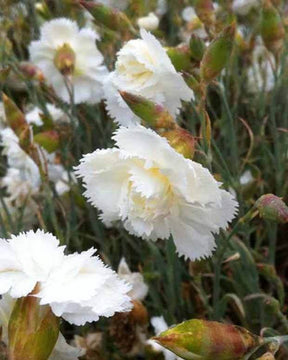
(82,289)
(89,73)
(78,287)
(27,259)
(33,117)
(160,325)
(243,7)
(62,350)
(144,68)
(139,289)
(156,192)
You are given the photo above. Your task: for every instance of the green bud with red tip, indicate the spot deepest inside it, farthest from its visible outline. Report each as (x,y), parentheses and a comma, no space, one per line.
(180,57)
(152,114)
(49,140)
(205,11)
(33,330)
(111,18)
(272,28)
(218,54)
(208,340)
(273,208)
(182,141)
(16,120)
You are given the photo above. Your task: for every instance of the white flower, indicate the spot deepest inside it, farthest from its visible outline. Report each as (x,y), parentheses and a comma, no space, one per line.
(33,117)
(156,192)
(260,74)
(27,259)
(246,178)
(89,73)
(160,325)
(119,4)
(62,350)
(189,14)
(139,288)
(144,68)
(78,287)
(82,289)
(243,7)
(149,22)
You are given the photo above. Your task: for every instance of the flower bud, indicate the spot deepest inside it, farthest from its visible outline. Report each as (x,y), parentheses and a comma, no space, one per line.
(208,340)
(33,330)
(111,18)
(217,54)
(154,115)
(30,71)
(197,47)
(271,207)
(272,28)
(182,141)
(205,11)
(149,23)
(193,83)
(16,120)
(49,140)
(64,60)
(180,57)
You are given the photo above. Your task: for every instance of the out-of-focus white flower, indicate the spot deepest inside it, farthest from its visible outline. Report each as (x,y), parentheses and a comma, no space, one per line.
(27,259)
(78,287)
(139,288)
(160,325)
(246,178)
(82,289)
(156,192)
(119,4)
(144,68)
(194,24)
(2,116)
(34,117)
(162,7)
(243,7)
(22,178)
(88,74)
(62,350)
(149,22)
(260,74)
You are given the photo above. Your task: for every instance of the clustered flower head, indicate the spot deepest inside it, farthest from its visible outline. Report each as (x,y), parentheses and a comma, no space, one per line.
(78,287)
(144,68)
(156,192)
(63,43)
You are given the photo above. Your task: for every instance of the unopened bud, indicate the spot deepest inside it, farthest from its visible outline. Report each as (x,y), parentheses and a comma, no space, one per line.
(205,11)
(180,57)
(152,114)
(110,17)
(64,59)
(197,47)
(217,54)
(49,140)
(193,83)
(16,120)
(32,331)
(149,22)
(208,340)
(182,141)
(272,28)
(271,207)
(31,71)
